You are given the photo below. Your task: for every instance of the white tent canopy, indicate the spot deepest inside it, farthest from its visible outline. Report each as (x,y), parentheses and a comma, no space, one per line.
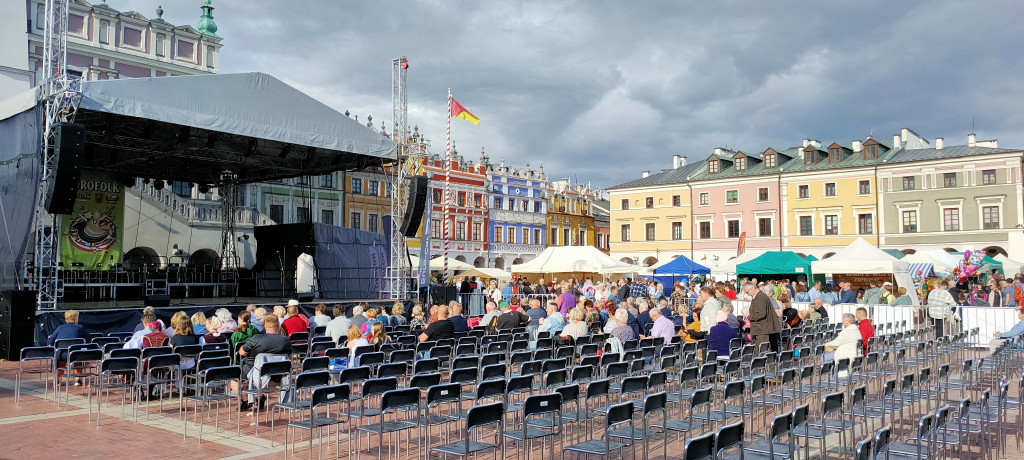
(437,264)
(1010,266)
(573,259)
(925,258)
(947,259)
(729,266)
(489,273)
(863,257)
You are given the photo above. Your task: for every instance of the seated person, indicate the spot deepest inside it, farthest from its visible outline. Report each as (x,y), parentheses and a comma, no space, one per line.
(621,329)
(148,317)
(272,342)
(1016,330)
(720,336)
(441,328)
(156,337)
(553,323)
(577,328)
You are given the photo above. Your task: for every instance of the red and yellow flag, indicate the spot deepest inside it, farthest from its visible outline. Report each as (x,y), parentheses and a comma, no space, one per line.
(458,111)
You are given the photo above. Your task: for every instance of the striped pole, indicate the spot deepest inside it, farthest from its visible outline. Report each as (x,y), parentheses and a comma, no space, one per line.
(447,182)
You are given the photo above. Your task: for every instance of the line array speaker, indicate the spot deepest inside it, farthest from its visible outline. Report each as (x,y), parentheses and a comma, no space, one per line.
(62,190)
(414,208)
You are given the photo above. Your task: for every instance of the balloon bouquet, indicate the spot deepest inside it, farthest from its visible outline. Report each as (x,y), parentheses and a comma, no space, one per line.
(969,267)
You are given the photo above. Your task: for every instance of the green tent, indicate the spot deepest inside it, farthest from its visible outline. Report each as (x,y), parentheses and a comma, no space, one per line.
(894,252)
(994,264)
(810,258)
(776,263)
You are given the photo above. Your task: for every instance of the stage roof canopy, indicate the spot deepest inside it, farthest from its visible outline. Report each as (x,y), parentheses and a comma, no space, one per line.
(192,128)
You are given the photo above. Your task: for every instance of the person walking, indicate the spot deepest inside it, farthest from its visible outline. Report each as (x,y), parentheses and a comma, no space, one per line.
(764,322)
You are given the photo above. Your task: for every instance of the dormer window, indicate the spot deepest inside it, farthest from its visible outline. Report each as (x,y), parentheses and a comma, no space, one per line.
(740,164)
(810,157)
(870,151)
(713,167)
(770,161)
(835,154)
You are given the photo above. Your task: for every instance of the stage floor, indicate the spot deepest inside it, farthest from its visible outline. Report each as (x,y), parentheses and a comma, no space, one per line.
(200,302)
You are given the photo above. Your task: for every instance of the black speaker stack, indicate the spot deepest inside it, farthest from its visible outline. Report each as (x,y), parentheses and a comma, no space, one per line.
(17,322)
(62,190)
(158,300)
(418,190)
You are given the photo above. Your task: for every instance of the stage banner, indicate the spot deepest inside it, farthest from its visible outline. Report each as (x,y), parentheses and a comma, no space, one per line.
(92,233)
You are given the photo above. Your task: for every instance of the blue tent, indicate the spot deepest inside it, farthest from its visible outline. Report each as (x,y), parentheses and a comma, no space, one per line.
(682,265)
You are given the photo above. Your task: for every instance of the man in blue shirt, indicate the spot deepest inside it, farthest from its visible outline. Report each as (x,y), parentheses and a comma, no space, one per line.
(1007,291)
(847,295)
(638,290)
(69,330)
(815,291)
(643,319)
(506,292)
(456,318)
(1017,329)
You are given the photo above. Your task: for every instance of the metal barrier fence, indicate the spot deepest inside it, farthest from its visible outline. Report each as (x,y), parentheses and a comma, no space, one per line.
(988,320)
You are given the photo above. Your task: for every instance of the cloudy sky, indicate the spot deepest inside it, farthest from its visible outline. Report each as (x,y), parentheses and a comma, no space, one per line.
(601,90)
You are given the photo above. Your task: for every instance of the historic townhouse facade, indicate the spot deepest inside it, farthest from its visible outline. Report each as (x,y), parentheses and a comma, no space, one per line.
(570,219)
(467,209)
(956,197)
(518,213)
(735,206)
(816,198)
(649,218)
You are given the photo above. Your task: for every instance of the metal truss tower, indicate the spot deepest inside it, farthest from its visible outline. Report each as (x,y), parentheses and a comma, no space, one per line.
(228,191)
(61,94)
(398,272)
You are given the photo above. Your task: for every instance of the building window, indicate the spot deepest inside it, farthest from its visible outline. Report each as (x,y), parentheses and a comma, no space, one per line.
(705,198)
(831,225)
(371,222)
(732,196)
(104,31)
(949,180)
(733,227)
(327,181)
(950,219)
(374,188)
(677,230)
(649,232)
(600,240)
(277,213)
(830,189)
(583,238)
(871,151)
(810,157)
(511,204)
(677,201)
(908,182)
(209,56)
(435,228)
(565,237)
(625,204)
(302,215)
(538,207)
(477,199)
(909,221)
(357,186)
(762,194)
(806,225)
(803,191)
(512,235)
(988,177)
(460,199)
(327,216)
(865,224)
(160,39)
(705,230)
(764,226)
(437,198)
(302,180)
(536,236)
(460,231)
(990,217)
(864,187)
(740,164)
(554,237)
(355,220)
(769,160)
(526,236)
(499,234)
(649,202)
(497,202)
(477,233)
(835,154)
(713,167)
(181,188)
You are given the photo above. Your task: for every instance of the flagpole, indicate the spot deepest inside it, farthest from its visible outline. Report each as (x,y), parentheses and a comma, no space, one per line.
(447,182)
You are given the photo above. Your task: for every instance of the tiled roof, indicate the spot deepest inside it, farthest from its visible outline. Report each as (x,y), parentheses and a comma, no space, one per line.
(698,170)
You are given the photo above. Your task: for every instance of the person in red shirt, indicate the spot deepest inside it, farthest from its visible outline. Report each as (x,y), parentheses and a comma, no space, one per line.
(729,293)
(294,322)
(867,331)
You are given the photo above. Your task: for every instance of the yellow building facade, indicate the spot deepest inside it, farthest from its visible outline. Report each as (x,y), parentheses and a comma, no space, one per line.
(829,209)
(650,224)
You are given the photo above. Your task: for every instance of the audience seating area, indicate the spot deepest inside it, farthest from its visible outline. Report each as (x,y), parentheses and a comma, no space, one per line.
(912,396)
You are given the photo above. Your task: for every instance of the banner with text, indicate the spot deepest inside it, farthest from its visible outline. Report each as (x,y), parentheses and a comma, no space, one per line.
(92,232)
